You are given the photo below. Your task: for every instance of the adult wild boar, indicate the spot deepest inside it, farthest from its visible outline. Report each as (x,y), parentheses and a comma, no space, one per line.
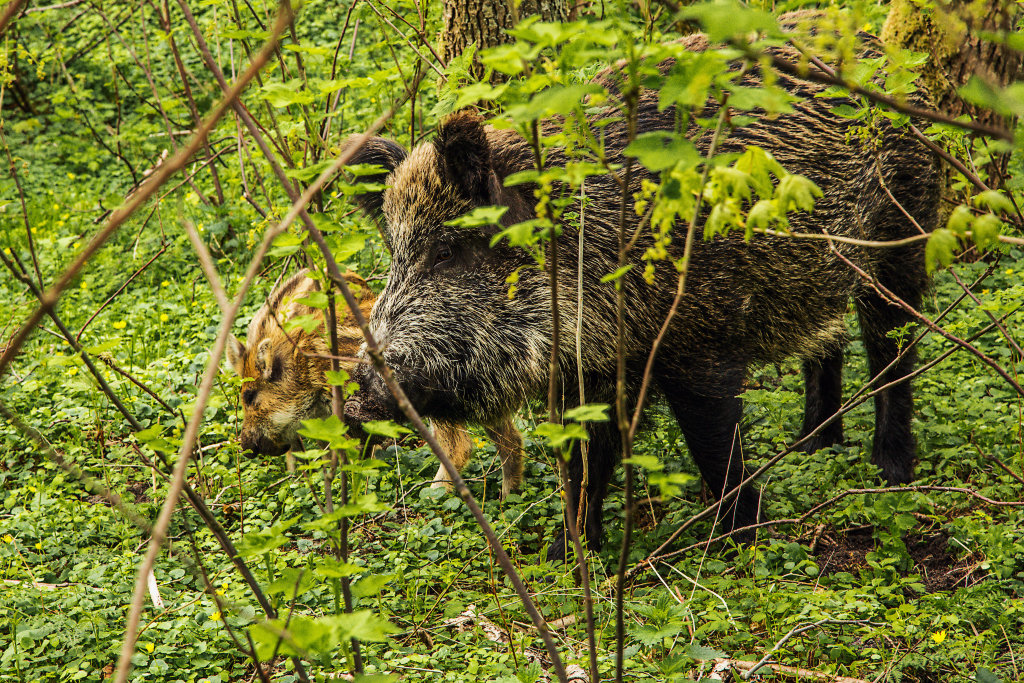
(286,382)
(463,350)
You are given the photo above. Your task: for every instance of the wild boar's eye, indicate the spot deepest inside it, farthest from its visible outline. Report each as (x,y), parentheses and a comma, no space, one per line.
(444,253)
(248,396)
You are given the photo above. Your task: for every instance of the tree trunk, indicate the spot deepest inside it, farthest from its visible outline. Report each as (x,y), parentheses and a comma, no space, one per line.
(949,35)
(485,23)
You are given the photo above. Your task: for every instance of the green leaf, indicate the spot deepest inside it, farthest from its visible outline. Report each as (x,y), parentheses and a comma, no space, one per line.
(689,81)
(330,568)
(770,99)
(313,299)
(724,19)
(479,217)
(648,462)
(337,378)
(659,151)
(371,585)
(329,429)
(939,249)
(591,412)
(617,274)
(960,220)
(364,504)
(293,581)
(282,95)
(796,192)
(983,675)
(344,247)
(307,323)
(557,435)
(993,200)
(560,99)
(362,624)
(385,428)
(703,654)
(986,229)
(286,244)
(473,93)
(309,173)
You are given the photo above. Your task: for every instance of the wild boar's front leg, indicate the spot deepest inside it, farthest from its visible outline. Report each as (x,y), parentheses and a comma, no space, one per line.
(603,450)
(710,425)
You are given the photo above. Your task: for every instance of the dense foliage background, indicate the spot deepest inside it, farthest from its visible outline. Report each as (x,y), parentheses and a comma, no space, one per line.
(923,584)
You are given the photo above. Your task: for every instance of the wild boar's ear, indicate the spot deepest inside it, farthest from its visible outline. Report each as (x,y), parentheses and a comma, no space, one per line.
(464,157)
(233,353)
(380,152)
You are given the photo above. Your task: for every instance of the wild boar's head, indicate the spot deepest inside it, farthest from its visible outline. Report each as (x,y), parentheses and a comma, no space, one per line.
(460,347)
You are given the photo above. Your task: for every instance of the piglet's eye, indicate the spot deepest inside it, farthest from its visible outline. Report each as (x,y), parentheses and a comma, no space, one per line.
(444,253)
(248,396)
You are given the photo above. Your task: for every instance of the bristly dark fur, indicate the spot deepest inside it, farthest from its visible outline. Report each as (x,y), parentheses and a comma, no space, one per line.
(380,152)
(464,156)
(463,349)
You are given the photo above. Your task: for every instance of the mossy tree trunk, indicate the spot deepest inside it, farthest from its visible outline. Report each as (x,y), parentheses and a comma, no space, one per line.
(485,23)
(949,32)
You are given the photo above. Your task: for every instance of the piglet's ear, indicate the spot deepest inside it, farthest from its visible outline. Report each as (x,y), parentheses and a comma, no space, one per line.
(233,354)
(464,157)
(380,152)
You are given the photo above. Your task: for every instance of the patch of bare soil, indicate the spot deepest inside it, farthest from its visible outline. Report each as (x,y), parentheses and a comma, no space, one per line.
(939,569)
(138,490)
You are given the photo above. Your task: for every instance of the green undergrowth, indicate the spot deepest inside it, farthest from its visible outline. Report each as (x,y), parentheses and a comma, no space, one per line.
(926,585)
(912,585)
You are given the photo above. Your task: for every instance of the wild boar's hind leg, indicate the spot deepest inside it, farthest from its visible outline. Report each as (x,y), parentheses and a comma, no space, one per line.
(823,396)
(454,439)
(709,425)
(894,446)
(509,443)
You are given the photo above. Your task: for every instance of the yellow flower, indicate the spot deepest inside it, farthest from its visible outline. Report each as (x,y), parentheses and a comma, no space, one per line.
(984,291)
(8,538)
(7,251)
(164,283)
(39,546)
(83,285)
(71,176)
(1009,271)
(215,616)
(149,647)
(76,245)
(164,318)
(72,371)
(938,637)
(120,325)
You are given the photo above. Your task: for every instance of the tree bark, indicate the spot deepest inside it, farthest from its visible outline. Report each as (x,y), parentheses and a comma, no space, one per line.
(949,33)
(485,23)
